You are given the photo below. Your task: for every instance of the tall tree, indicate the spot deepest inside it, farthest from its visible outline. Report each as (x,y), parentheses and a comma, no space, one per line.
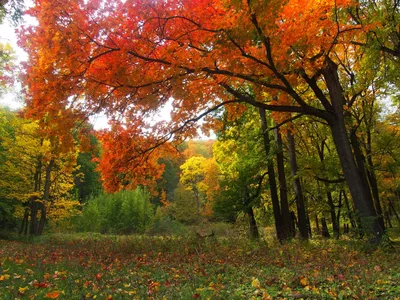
(131,57)
(243,171)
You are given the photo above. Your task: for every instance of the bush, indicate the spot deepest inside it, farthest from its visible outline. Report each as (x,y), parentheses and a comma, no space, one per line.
(7,217)
(166,226)
(184,208)
(124,212)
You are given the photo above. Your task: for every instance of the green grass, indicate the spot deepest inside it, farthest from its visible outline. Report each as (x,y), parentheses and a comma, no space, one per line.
(94,266)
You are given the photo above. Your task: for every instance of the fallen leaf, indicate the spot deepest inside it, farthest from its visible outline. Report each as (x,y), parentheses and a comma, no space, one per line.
(53,295)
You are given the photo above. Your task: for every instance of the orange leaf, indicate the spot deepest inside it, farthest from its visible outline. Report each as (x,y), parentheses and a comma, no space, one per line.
(53,295)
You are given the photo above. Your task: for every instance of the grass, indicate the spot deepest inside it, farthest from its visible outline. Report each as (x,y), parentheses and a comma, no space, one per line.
(93,266)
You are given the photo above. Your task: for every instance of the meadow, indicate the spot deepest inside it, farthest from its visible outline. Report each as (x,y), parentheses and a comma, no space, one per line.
(95,266)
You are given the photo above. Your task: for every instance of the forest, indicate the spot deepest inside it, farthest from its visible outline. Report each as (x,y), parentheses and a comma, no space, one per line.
(252,150)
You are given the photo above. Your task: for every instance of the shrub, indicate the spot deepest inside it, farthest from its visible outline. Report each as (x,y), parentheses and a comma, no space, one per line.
(123,212)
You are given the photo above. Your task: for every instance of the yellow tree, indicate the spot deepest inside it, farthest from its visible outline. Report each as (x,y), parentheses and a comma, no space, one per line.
(192,175)
(35,172)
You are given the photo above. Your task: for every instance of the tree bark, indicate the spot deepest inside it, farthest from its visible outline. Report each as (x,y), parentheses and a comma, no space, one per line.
(394,211)
(362,169)
(331,205)
(25,222)
(253,224)
(388,221)
(271,178)
(293,223)
(339,211)
(301,209)
(46,197)
(350,212)
(332,212)
(360,193)
(325,231)
(283,193)
(33,214)
(317,223)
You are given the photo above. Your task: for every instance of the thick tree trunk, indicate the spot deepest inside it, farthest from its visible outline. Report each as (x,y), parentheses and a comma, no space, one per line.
(360,193)
(283,193)
(301,209)
(360,160)
(271,179)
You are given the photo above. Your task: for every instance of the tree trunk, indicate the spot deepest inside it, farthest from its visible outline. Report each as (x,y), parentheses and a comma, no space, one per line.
(335,225)
(360,193)
(253,224)
(25,222)
(346,228)
(331,205)
(388,221)
(371,174)
(286,230)
(271,179)
(350,212)
(339,210)
(394,211)
(309,226)
(293,223)
(301,209)
(360,160)
(33,213)
(317,224)
(325,231)
(30,215)
(46,197)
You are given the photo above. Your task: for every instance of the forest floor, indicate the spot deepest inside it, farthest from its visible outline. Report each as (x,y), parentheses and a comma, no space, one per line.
(93,266)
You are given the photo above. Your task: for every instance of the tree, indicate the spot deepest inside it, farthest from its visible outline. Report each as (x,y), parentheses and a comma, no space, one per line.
(192,176)
(131,57)
(36,173)
(243,171)
(126,161)
(87,179)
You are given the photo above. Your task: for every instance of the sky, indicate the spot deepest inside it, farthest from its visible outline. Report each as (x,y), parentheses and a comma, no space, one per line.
(7,35)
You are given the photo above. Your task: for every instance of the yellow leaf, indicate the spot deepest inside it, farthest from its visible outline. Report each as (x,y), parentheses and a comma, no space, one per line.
(256,283)
(22,290)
